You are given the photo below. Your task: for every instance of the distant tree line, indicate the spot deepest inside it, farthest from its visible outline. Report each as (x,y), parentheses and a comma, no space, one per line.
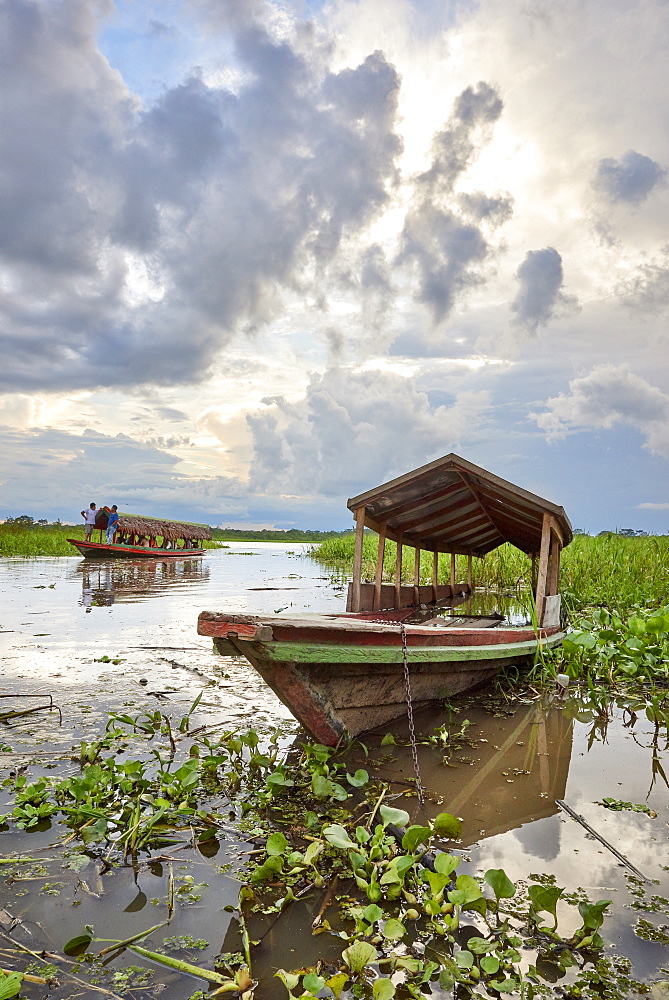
(291,535)
(269,535)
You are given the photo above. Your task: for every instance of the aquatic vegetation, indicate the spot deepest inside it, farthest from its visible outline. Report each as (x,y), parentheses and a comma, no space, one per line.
(610,648)
(617,805)
(610,570)
(408,917)
(38,540)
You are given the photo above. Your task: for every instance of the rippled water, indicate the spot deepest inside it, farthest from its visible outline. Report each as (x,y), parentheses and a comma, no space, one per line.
(60,616)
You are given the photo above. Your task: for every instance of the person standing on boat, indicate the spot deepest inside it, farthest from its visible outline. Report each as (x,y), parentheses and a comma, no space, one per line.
(112,524)
(89,517)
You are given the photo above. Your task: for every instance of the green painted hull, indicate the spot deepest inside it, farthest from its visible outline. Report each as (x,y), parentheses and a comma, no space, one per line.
(339,690)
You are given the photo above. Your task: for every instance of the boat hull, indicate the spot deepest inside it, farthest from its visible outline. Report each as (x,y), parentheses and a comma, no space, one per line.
(351,679)
(99,550)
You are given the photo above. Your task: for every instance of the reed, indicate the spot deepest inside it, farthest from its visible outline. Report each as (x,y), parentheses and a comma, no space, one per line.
(608,570)
(38,540)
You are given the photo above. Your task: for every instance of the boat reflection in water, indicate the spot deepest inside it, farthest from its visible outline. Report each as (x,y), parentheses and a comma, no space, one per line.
(504,783)
(104,583)
(510,776)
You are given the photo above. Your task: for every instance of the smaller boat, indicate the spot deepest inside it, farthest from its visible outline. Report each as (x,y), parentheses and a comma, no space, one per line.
(141,537)
(343,674)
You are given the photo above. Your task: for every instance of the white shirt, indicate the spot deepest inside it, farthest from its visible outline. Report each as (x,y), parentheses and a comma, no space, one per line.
(90,516)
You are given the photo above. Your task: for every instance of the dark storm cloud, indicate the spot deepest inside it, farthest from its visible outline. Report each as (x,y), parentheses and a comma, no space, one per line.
(540,297)
(443,240)
(628,179)
(135,241)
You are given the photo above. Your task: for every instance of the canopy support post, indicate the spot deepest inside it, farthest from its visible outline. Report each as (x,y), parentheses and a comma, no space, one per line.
(452,574)
(542,576)
(378,579)
(470,573)
(435,575)
(416,574)
(359,515)
(398,575)
(554,565)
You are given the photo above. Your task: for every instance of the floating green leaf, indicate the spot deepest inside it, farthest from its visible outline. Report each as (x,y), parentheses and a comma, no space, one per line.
(489,964)
(447,825)
(500,883)
(446,863)
(414,836)
(77,945)
(372,913)
(10,985)
(359,955)
(398,817)
(479,945)
(393,929)
(312,983)
(289,979)
(383,989)
(276,844)
(337,983)
(338,837)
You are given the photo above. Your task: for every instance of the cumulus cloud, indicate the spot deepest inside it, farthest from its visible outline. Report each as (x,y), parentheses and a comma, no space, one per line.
(354,428)
(629,179)
(540,296)
(646,289)
(609,395)
(443,240)
(137,239)
(108,469)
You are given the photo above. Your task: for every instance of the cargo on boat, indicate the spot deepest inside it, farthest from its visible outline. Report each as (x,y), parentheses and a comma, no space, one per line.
(343,674)
(141,537)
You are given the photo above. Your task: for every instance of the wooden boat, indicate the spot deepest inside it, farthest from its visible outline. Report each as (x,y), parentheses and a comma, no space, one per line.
(343,674)
(141,537)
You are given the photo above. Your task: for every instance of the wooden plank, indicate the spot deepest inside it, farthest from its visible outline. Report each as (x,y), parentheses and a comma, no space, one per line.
(416,572)
(453,572)
(552,585)
(393,511)
(357,559)
(380,553)
(435,575)
(542,577)
(444,514)
(397,603)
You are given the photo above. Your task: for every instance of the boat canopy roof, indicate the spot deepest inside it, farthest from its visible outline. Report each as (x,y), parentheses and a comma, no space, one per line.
(451,505)
(152,527)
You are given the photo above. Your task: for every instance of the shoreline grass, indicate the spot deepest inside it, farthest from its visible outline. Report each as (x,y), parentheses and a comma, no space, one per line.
(610,570)
(34,540)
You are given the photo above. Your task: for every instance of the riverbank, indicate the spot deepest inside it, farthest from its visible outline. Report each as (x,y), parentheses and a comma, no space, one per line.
(34,540)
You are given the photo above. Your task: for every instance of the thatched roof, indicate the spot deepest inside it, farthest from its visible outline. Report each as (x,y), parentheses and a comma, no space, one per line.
(135,524)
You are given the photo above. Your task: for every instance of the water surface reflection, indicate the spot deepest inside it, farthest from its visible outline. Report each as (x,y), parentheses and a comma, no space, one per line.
(104,583)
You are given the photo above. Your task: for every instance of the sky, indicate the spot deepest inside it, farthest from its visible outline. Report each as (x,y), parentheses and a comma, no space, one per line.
(257,257)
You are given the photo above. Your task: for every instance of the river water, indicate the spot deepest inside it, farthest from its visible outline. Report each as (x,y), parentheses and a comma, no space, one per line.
(65,619)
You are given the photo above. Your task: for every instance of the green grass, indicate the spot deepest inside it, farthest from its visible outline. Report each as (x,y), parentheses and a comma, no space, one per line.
(608,570)
(47,540)
(39,540)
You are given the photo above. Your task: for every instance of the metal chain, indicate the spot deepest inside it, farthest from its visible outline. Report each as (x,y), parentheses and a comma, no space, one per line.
(412,731)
